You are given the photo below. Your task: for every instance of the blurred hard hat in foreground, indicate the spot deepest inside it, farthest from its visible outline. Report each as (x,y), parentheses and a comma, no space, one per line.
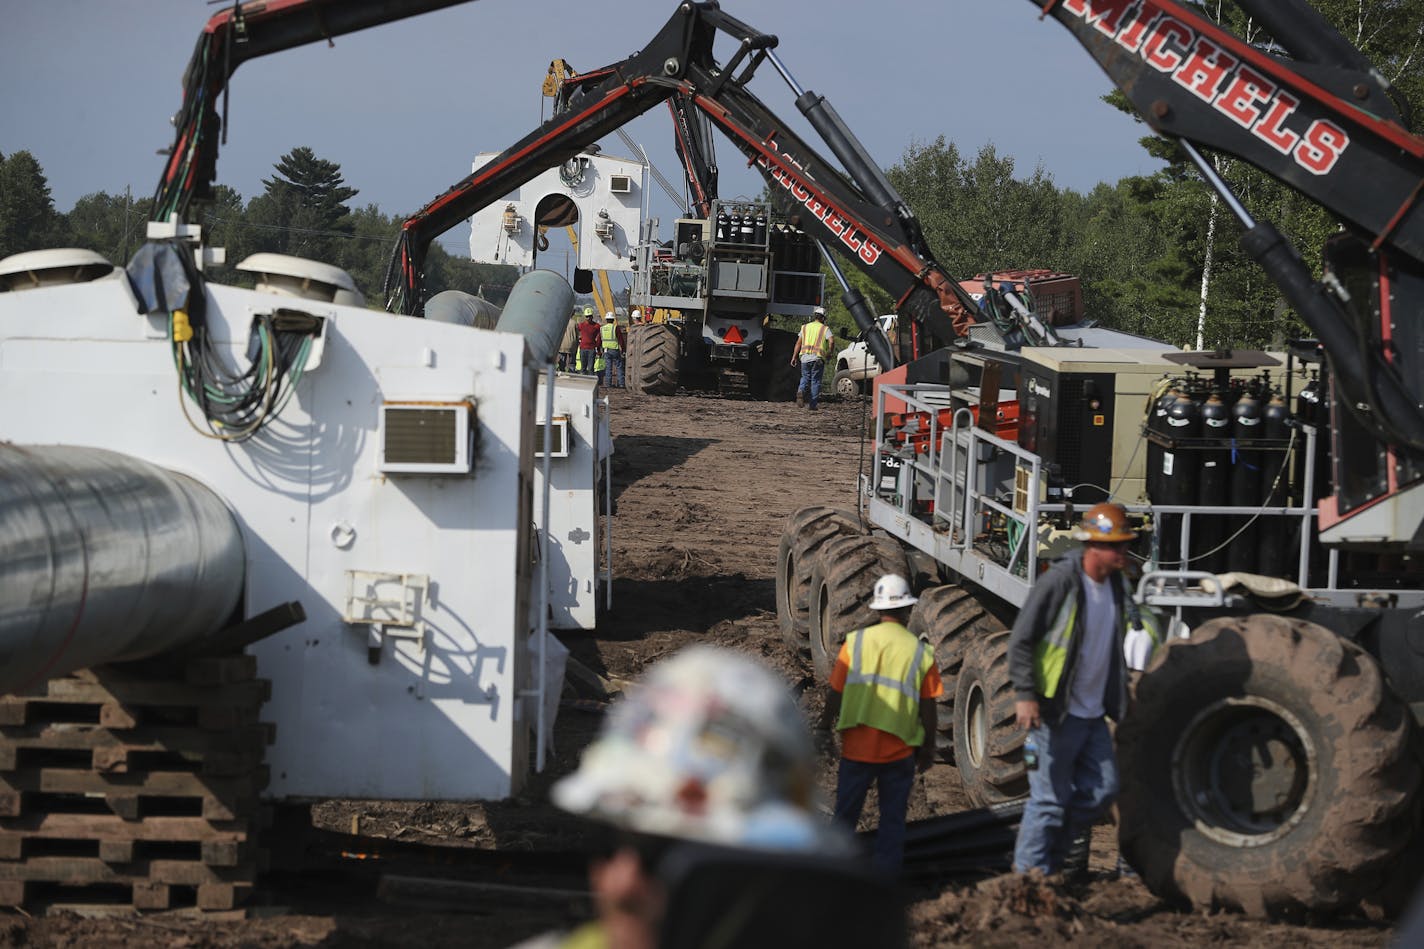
(710,746)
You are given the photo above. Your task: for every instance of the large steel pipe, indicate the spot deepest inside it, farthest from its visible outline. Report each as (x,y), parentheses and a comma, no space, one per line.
(106,558)
(539,308)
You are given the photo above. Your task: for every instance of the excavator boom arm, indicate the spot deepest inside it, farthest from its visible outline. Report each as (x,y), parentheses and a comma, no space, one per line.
(1323,122)
(857,212)
(1326,127)
(231,37)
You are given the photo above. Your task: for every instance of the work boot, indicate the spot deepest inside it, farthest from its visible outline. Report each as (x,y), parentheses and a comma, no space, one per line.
(800,398)
(1075,861)
(815,407)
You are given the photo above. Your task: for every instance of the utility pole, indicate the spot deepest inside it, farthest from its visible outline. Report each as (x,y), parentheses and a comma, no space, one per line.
(128,203)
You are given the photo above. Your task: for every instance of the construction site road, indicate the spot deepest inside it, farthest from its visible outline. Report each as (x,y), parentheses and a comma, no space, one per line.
(702,487)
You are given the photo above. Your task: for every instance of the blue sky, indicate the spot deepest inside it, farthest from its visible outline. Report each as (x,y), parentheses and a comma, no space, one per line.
(88,86)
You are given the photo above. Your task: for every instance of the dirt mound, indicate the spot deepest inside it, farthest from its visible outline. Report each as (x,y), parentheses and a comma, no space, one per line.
(1011,907)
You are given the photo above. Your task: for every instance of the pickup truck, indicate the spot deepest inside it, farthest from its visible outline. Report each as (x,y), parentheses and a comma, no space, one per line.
(855,365)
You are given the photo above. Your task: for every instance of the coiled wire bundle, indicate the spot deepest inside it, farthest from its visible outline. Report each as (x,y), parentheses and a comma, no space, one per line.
(235,405)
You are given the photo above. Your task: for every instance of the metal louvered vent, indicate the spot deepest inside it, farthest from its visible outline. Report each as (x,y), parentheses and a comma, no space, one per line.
(426,438)
(559,438)
(986,333)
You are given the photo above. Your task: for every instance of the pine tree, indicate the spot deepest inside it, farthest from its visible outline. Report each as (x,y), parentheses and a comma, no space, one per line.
(28,220)
(303,208)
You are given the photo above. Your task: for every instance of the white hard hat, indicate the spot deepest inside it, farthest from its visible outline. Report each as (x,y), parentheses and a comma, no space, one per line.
(892,593)
(608,316)
(710,746)
(818,311)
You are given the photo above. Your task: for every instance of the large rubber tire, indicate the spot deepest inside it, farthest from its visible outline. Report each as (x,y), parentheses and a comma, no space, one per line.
(653,354)
(1266,767)
(843,574)
(988,744)
(777,377)
(805,533)
(952,618)
(845,385)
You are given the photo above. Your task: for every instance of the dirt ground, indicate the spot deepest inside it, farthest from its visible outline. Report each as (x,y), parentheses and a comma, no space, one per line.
(702,487)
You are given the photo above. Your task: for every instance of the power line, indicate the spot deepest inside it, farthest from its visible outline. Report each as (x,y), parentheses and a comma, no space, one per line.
(290,229)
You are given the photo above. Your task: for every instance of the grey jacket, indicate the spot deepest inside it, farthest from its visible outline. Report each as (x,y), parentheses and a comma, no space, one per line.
(1045,600)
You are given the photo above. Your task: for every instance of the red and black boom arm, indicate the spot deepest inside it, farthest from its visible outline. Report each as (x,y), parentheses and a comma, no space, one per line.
(692,139)
(1320,119)
(231,37)
(856,210)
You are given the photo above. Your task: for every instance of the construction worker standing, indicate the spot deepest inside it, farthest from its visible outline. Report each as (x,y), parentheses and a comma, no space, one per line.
(568,346)
(588,342)
(707,764)
(882,699)
(814,345)
(612,338)
(1068,664)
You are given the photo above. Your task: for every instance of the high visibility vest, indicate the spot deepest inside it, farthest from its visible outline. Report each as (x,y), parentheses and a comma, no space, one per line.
(1050,657)
(599,363)
(815,337)
(888,665)
(609,333)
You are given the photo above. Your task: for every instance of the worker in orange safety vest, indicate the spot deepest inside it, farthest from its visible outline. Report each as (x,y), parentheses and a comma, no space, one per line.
(882,700)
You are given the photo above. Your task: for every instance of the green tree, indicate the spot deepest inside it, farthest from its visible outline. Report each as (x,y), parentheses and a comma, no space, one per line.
(1128,253)
(446,272)
(224,223)
(931,179)
(28,220)
(977,216)
(112,224)
(303,208)
(367,252)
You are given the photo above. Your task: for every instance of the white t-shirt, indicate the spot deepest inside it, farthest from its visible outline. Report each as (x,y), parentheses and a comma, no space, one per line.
(1097,633)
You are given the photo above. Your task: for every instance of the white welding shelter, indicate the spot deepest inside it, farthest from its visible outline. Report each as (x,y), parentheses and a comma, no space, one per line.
(391,497)
(580,560)
(600,196)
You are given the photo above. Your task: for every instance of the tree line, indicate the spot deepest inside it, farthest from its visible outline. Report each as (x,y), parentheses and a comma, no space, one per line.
(304,210)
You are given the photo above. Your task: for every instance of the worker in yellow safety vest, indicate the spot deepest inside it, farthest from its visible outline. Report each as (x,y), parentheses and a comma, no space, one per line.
(882,700)
(614,342)
(814,345)
(1077,638)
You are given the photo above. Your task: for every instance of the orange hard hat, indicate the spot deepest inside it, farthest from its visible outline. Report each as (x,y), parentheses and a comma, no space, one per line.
(1105,523)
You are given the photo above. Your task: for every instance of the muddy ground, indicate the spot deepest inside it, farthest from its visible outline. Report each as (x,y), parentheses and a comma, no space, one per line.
(702,487)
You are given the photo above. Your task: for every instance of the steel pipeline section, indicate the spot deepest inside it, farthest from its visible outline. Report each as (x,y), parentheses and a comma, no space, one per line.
(107,558)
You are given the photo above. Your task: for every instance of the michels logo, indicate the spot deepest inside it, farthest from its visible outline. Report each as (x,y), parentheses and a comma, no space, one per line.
(833,218)
(1213,75)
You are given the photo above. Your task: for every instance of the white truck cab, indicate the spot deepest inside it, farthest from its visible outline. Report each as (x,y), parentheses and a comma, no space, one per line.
(855,364)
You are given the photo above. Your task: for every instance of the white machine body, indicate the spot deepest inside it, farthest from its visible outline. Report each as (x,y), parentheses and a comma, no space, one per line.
(579,474)
(411,677)
(601,196)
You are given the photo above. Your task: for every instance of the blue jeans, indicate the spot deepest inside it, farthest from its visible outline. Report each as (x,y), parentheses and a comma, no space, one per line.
(1074,783)
(613,373)
(587,357)
(811,373)
(894,780)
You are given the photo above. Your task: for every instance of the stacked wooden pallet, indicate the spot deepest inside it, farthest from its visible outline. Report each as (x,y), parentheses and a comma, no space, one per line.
(130,789)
